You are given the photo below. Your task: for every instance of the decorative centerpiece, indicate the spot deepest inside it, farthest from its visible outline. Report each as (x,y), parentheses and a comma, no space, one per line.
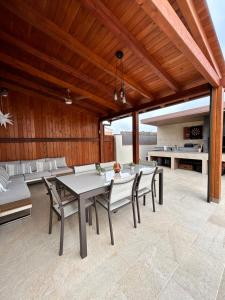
(100,171)
(117,167)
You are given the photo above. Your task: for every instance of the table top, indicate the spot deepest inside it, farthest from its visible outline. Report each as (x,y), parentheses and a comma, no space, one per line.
(82,183)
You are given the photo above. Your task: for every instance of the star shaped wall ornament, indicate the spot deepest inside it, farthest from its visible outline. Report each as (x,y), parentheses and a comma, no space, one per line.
(5,119)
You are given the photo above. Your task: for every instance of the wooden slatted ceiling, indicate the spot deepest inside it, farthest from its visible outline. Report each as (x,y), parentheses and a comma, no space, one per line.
(28,21)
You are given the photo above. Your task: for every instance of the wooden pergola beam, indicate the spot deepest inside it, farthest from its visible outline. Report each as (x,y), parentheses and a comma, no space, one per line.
(187,95)
(163,14)
(55,63)
(15,63)
(33,93)
(216,142)
(106,17)
(29,85)
(29,15)
(188,10)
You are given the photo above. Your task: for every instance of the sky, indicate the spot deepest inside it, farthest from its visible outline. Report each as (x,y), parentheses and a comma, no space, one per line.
(217,11)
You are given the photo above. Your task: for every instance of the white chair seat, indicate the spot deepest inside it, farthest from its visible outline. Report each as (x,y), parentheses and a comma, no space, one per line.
(116,205)
(70,208)
(143,191)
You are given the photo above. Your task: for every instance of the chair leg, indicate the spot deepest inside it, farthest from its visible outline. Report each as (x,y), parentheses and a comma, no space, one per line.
(134,215)
(144,200)
(96,216)
(110,227)
(138,209)
(153,201)
(154,188)
(90,215)
(61,236)
(50,220)
(86,214)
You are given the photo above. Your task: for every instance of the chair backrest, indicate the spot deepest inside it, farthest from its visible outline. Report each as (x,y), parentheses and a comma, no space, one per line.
(107,165)
(85,169)
(146,178)
(122,188)
(150,163)
(52,191)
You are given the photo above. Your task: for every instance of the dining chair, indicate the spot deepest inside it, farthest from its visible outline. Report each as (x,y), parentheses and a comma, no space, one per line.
(107,165)
(151,163)
(144,186)
(64,207)
(120,193)
(84,169)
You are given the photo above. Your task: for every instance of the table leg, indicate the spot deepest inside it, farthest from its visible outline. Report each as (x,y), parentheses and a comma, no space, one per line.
(82,228)
(161,188)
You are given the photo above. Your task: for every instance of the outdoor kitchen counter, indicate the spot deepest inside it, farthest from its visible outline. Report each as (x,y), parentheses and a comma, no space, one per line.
(176,155)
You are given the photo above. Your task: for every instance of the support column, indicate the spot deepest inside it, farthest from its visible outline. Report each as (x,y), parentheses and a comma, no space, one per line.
(215,147)
(135,121)
(101,142)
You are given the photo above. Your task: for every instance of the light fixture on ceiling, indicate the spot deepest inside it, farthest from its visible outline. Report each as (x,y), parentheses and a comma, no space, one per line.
(119,90)
(4,118)
(68,99)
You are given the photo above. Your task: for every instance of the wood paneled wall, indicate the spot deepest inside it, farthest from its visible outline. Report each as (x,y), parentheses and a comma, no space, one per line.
(48,129)
(109,148)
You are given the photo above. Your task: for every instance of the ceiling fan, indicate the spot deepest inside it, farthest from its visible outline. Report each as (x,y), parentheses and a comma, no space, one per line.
(67,98)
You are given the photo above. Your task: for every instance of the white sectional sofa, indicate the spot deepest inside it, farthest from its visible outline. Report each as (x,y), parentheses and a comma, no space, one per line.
(15,201)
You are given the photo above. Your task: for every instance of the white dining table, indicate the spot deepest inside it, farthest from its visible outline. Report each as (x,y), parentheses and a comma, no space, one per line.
(89,185)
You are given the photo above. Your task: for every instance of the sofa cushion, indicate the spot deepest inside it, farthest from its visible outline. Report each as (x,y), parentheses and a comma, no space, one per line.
(4,163)
(60,161)
(32,163)
(36,176)
(16,191)
(43,166)
(4,174)
(14,169)
(17,178)
(60,171)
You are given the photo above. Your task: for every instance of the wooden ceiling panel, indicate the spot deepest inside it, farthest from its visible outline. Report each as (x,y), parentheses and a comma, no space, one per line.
(75,47)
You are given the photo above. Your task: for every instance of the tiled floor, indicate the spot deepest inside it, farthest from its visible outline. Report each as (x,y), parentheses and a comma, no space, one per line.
(177,253)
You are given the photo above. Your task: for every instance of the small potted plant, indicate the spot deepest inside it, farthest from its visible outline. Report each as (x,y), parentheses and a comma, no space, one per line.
(100,171)
(132,166)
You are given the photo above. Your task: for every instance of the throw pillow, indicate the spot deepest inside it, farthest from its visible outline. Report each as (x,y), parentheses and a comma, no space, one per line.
(61,162)
(27,169)
(14,169)
(4,173)
(2,189)
(53,165)
(43,166)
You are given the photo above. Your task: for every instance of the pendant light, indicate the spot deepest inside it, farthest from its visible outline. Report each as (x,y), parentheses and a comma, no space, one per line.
(119,90)
(68,99)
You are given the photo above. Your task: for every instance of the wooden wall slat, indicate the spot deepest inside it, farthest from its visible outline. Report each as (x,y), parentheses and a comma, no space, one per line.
(74,135)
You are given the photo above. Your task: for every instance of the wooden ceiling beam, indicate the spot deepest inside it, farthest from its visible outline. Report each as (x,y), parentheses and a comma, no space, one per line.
(189,94)
(163,14)
(29,15)
(15,63)
(189,12)
(43,90)
(106,17)
(33,93)
(55,62)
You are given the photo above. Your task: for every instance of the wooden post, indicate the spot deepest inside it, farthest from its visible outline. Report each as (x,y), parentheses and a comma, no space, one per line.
(135,120)
(215,150)
(101,142)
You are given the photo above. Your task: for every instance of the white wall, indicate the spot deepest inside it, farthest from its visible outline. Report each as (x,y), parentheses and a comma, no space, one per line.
(124,154)
(170,135)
